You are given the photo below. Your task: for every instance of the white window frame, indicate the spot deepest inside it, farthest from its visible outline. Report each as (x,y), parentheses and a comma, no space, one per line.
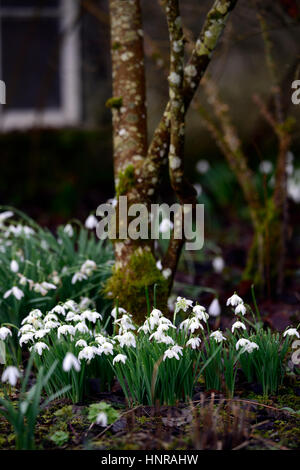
(69,112)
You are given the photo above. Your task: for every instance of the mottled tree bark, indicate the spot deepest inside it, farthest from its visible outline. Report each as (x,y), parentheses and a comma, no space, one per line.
(138,168)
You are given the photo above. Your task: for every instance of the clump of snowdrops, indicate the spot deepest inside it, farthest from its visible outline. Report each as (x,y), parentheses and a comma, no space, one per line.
(160,360)
(38,268)
(163,359)
(75,336)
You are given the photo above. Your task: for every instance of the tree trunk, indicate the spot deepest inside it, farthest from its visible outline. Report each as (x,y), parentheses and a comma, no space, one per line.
(135,267)
(137,169)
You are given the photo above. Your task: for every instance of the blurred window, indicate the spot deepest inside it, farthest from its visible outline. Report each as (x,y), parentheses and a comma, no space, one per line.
(39,63)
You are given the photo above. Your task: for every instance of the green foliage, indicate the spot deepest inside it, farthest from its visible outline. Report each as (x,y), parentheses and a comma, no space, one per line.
(60,438)
(267,364)
(23,414)
(96,408)
(41,258)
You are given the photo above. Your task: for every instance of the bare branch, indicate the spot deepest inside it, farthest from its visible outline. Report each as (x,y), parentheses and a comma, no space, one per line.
(200,58)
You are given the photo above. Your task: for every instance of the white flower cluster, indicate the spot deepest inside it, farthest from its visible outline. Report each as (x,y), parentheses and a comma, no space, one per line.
(66,322)
(86,270)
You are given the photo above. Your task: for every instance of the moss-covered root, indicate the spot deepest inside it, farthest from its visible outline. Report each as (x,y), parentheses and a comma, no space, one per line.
(128,283)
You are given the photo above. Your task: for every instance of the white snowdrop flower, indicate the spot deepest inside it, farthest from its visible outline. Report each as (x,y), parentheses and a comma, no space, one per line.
(50,317)
(162,327)
(48,285)
(11,375)
(60,309)
(125,323)
(198,189)
(190,71)
(177,349)
(238,325)
(266,167)
(126,339)
(4,333)
(120,358)
(25,329)
(91,316)
(81,343)
(91,222)
(14,266)
(107,348)
(73,317)
(249,348)
(87,353)
(183,304)
(194,325)
(234,300)
(41,333)
(194,343)
(240,308)
(156,335)
(218,336)
(88,267)
(202,166)
(39,347)
(120,311)
(218,264)
(174,78)
(200,313)
(78,277)
(15,291)
(81,327)
(291,332)
(50,325)
(65,329)
(293,187)
(5,215)
(25,338)
(27,231)
(156,313)
(165,321)
(71,305)
(68,229)
(145,327)
(165,226)
(173,353)
(165,339)
(166,273)
(101,419)
(70,362)
(100,339)
(184,324)
(24,280)
(39,289)
(159,265)
(241,343)
(33,315)
(214,309)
